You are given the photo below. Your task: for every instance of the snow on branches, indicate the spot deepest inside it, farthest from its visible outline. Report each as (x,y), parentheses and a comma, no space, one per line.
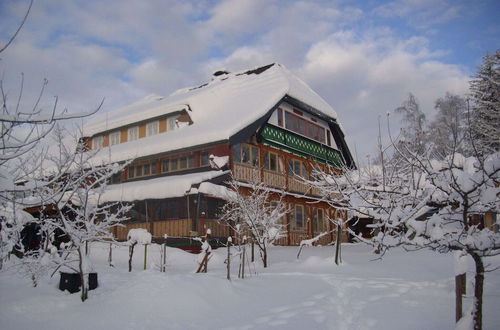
(256,209)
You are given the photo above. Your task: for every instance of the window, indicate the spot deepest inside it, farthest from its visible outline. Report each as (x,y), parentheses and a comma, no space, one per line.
(172,123)
(246,154)
(173,164)
(191,163)
(298,217)
(204,158)
(164,165)
(133,133)
(152,128)
(273,162)
(114,138)
(97,142)
(280,117)
(131,172)
(154,167)
(319,223)
(183,162)
(297,168)
(304,127)
(138,171)
(116,178)
(146,169)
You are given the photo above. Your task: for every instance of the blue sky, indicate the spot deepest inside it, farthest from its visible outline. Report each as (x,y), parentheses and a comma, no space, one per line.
(363,57)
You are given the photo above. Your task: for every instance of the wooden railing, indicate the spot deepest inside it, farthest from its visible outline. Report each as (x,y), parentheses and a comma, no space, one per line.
(246,173)
(276,180)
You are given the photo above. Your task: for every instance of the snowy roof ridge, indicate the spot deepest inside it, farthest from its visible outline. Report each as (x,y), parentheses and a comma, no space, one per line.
(218,109)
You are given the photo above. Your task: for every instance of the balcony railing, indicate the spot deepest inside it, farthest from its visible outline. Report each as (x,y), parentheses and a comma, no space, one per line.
(272,179)
(295,143)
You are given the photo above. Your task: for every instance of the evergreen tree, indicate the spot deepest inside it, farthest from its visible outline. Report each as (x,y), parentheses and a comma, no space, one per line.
(485,110)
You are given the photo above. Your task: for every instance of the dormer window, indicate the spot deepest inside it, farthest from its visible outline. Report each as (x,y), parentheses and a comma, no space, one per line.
(114,138)
(133,133)
(97,142)
(152,128)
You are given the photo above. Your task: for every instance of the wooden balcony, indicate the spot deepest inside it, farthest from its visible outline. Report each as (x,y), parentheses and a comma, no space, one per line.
(275,180)
(246,173)
(272,179)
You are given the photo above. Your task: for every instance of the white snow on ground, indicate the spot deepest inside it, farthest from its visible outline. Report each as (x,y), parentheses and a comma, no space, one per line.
(402,291)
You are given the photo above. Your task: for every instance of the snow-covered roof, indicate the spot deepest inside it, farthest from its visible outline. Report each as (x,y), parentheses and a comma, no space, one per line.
(219,109)
(163,187)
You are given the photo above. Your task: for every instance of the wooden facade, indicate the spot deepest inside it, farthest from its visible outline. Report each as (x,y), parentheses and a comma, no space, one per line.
(282,169)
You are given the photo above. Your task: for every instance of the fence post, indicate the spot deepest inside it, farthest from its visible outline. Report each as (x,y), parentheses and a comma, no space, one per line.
(164,266)
(110,256)
(145,255)
(229,240)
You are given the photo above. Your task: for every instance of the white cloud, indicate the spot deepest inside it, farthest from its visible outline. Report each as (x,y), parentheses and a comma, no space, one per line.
(126,49)
(363,79)
(421,13)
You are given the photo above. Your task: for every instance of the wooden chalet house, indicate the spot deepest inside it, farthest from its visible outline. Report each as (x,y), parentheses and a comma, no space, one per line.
(185,147)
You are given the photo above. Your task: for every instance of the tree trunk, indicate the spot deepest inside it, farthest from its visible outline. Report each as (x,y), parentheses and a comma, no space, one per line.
(229,260)
(83,282)
(460,290)
(264,256)
(130,254)
(253,251)
(164,266)
(110,256)
(478,292)
(338,243)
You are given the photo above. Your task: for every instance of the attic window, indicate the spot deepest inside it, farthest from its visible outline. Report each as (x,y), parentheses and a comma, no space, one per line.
(133,133)
(172,123)
(280,117)
(114,137)
(97,142)
(152,128)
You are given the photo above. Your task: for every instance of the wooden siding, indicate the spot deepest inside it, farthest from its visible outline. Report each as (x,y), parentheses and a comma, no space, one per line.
(163,125)
(121,232)
(175,228)
(218,229)
(105,142)
(123,135)
(142,131)
(172,227)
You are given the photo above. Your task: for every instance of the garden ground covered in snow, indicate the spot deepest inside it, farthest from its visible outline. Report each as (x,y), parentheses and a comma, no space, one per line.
(402,291)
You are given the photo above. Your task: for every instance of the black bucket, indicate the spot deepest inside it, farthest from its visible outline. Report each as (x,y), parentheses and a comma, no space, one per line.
(72,282)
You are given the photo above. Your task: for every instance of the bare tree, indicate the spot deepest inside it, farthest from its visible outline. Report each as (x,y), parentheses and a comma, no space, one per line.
(448,129)
(252,209)
(77,196)
(455,190)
